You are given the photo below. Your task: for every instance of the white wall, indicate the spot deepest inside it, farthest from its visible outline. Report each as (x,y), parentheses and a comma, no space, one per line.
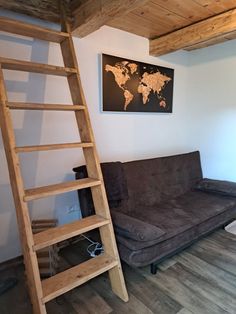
(128,136)
(36,128)
(118,136)
(211,103)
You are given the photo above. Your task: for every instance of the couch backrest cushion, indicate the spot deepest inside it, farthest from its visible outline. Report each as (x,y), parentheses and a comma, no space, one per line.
(115,184)
(152,181)
(146,182)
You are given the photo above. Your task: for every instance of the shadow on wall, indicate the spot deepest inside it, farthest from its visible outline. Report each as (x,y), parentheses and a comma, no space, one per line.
(67,208)
(33,90)
(211,97)
(213,53)
(180,57)
(203,55)
(10,242)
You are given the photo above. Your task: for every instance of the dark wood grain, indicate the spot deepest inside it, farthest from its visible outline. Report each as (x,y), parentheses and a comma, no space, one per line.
(43,9)
(150,294)
(200,280)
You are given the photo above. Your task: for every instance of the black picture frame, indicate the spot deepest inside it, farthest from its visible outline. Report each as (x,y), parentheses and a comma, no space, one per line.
(133,86)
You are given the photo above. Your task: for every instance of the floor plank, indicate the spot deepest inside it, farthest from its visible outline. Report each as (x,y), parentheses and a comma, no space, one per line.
(204,288)
(60,306)
(149,294)
(222,259)
(175,286)
(184,311)
(18,295)
(166,264)
(218,277)
(134,306)
(86,300)
(200,280)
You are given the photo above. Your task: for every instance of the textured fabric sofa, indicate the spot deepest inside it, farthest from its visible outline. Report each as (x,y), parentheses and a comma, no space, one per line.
(161,205)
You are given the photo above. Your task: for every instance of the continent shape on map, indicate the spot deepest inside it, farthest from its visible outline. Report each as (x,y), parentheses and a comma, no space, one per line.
(149,82)
(153,82)
(121,72)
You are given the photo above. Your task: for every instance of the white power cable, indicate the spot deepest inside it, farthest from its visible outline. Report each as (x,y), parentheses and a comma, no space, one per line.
(95,248)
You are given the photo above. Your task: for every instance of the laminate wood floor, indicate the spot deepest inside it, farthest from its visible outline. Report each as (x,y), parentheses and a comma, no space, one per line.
(200,280)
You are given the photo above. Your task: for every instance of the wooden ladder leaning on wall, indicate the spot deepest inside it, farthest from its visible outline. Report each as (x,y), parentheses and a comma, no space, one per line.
(48,289)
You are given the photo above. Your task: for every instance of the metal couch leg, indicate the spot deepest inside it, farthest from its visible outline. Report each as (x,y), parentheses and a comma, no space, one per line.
(153,269)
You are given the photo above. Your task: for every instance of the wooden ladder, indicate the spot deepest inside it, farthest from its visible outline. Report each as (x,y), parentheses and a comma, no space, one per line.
(48,289)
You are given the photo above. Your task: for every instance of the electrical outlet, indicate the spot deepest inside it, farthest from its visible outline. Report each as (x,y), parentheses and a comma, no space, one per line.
(68,214)
(73,208)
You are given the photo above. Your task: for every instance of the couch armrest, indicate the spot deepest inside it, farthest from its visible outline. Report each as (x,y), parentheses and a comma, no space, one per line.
(217,186)
(134,228)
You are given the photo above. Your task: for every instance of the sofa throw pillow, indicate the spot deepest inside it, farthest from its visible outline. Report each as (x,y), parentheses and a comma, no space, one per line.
(133,228)
(217,186)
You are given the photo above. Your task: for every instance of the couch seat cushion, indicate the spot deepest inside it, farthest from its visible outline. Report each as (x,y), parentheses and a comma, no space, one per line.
(177,215)
(202,205)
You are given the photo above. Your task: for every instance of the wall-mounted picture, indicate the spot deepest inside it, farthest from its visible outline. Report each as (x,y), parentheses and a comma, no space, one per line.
(132,86)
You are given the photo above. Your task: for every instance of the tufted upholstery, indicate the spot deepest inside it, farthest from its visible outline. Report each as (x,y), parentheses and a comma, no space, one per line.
(152,181)
(156,210)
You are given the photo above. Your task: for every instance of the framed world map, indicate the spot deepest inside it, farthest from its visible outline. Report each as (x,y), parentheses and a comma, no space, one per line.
(132,86)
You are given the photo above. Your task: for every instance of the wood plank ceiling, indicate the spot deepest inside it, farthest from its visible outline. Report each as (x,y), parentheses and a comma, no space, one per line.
(170,25)
(159,17)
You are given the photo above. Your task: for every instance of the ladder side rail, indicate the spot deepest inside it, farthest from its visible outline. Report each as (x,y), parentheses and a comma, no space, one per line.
(77,95)
(30,258)
(93,163)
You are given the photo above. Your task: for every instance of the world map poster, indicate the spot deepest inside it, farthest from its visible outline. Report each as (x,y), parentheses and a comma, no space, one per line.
(132,86)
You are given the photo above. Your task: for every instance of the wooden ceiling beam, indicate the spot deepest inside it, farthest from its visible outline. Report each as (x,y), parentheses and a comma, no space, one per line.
(90,15)
(43,9)
(211,42)
(208,31)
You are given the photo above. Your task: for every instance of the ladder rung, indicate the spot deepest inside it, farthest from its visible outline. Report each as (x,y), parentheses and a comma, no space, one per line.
(18,65)
(31,30)
(76,276)
(28,149)
(37,106)
(45,191)
(61,233)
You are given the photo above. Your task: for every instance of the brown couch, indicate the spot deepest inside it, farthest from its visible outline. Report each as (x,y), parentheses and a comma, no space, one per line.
(161,205)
